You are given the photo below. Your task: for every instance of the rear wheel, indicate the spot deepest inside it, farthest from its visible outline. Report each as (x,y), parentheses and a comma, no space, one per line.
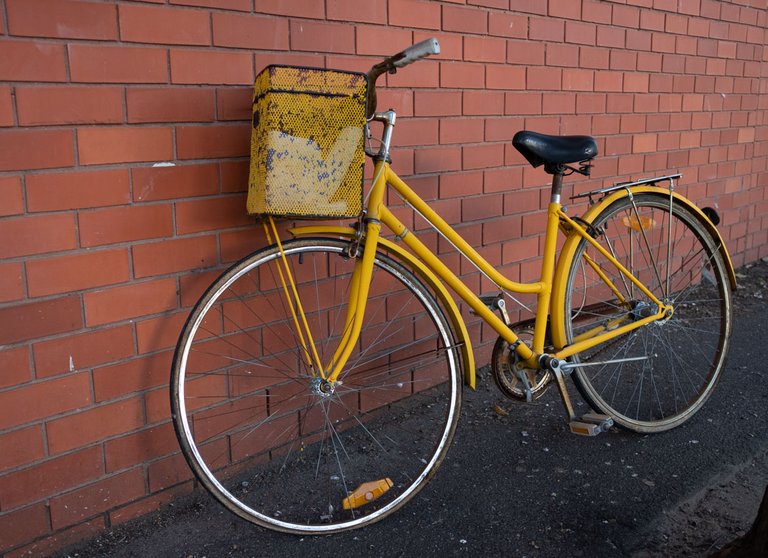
(667,369)
(273,441)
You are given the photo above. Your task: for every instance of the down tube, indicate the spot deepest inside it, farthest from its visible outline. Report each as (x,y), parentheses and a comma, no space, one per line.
(442,271)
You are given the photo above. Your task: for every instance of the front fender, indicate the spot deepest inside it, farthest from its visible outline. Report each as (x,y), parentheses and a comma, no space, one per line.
(569,248)
(459,328)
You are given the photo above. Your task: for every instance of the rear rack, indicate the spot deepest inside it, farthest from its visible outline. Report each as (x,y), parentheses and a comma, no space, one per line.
(621,185)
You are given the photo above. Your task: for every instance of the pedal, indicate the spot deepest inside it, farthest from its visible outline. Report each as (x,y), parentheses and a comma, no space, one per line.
(591,424)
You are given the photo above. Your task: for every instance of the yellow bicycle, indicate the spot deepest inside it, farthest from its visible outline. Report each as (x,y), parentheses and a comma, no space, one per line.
(316,385)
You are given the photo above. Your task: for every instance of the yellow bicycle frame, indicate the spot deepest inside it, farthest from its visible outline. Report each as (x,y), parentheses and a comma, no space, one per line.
(551,280)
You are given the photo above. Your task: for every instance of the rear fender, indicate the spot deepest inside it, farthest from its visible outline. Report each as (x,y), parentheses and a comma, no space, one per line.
(557,308)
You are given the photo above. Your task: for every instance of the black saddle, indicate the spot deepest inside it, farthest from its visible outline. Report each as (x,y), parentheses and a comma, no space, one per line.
(554,151)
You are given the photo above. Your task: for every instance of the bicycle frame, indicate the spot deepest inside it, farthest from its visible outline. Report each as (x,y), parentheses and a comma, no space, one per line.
(377,214)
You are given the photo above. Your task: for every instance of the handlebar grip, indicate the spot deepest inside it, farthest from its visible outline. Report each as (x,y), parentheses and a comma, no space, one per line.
(391,64)
(416,52)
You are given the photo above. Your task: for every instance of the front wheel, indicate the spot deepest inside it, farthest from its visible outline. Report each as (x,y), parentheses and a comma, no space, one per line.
(273,441)
(655,377)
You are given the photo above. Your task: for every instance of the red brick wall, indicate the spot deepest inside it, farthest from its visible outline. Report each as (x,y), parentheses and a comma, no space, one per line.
(104,250)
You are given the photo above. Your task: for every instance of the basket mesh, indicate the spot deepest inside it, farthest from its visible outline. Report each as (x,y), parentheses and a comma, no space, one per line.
(307,143)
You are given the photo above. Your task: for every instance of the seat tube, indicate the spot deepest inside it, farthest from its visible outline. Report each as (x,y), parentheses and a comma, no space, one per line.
(548,264)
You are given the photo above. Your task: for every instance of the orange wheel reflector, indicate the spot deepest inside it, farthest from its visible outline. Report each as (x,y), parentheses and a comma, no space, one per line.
(366,493)
(636,224)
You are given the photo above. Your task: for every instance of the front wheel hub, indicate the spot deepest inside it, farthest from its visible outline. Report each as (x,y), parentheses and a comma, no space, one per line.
(322,387)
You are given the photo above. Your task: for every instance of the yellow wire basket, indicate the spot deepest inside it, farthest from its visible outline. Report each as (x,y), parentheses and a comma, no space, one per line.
(307,143)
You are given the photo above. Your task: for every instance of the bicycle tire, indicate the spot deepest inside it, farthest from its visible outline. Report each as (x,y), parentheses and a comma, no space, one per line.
(261,436)
(666,246)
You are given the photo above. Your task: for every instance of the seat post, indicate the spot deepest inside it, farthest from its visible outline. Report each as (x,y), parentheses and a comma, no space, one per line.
(557,187)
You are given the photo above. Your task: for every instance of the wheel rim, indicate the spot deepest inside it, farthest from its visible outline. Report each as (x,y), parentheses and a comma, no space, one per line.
(283,448)
(685,353)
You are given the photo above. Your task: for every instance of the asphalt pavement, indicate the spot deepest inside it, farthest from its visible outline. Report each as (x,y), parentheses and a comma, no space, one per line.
(518,484)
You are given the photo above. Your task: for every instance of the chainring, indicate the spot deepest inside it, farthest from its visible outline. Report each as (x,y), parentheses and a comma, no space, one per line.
(503,361)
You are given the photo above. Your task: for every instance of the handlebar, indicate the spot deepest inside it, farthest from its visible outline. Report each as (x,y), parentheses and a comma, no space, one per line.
(408,56)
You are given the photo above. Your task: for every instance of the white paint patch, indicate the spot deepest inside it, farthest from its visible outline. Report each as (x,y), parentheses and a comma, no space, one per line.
(164,165)
(71,364)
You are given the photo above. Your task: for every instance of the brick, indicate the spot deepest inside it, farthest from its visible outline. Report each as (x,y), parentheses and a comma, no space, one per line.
(522,103)
(170,256)
(306,8)
(83,351)
(438,159)
(140,374)
(69,105)
(234,103)
(437,103)
(37,235)
(558,103)
(158,406)
(93,425)
(508,25)
(23,525)
(373,11)
(160,25)
(32,61)
(123,224)
(580,33)
(414,13)
(546,29)
(47,545)
(97,498)
(207,142)
(544,78)
(461,184)
(132,301)
(98,146)
(485,49)
(182,181)
(505,77)
(168,472)
(211,67)
(170,105)
(140,447)
(117,64)
(11,282)
(528,6)
(483,103)
(416,132)
(15,366)
(247,31)
(578,80)
(76,190)
(382,41)
(334,37)
(64,19)
(462,75)
(6,107)
(525,53)
(11,201)
(40,400)
(502,129)
(644,143)
(562,55)
(77,272)
(21,447)
(464,130)
(481,207)
(36,149)
(465,20)
(211,214)
(482,156)
(565,8)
